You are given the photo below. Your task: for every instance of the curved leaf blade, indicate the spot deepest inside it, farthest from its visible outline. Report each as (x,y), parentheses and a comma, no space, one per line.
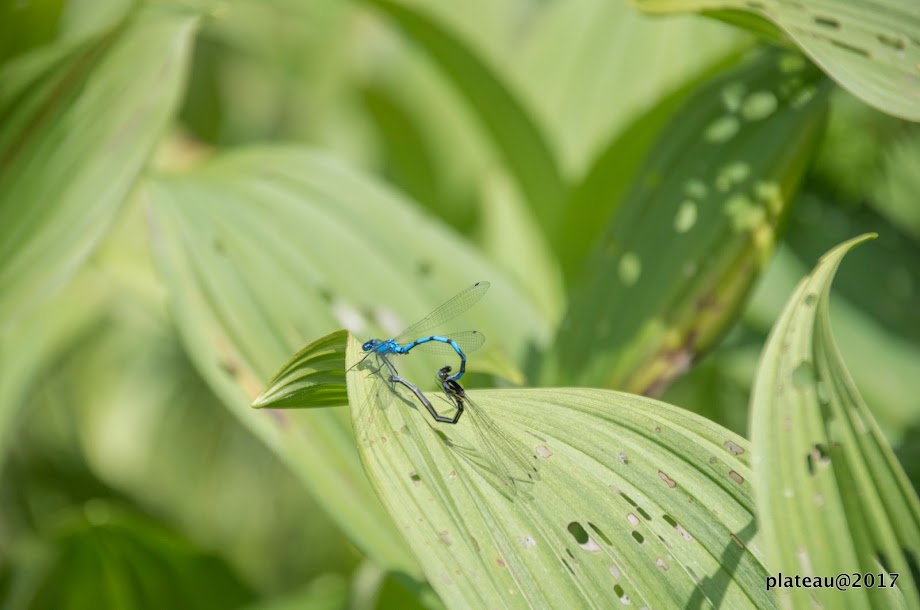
(694,231)
(870,48)
(313,377)
(77,124)
(831,496)
(638,502)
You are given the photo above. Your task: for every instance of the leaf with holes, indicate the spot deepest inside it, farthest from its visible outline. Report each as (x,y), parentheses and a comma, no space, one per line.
(77,123)
(870,48)
(634,501)
(266,248)
(831,496)
(679,255)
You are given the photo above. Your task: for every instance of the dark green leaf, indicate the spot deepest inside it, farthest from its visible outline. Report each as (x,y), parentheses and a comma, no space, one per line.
(692,234)
(104,557)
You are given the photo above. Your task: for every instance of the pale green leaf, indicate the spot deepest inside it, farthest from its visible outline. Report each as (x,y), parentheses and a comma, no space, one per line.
(637,502)
(527,154)
(267,248)
(831,496)
(591,67)
(77,123)
(870,48)
(680,253)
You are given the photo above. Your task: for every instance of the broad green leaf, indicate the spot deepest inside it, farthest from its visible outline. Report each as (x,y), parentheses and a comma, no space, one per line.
(101,556)
(526,152)
(267,248)
(637,502)
(698,224)
(871,48)
(831,496)
(589,68)
(77,123)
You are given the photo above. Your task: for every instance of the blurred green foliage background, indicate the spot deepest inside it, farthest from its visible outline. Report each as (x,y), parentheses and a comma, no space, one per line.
(523,129)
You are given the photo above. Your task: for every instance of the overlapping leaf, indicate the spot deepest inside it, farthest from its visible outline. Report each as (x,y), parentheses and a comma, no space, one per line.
(638,502)
(77,123)
(870,48)
(831,496)
(684,247)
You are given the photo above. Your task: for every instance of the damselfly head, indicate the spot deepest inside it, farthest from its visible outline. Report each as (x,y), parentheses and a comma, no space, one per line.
(444,373)
(369,345)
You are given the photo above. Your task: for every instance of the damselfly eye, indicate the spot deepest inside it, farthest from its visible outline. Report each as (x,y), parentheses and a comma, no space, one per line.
(368,346)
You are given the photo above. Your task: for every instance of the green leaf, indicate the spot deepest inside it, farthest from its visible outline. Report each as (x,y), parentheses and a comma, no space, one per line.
(527,154)
(690,237)
(896,190)
(314,377)
(267,248)
(831,496)
(585,67)
(882,363)
(637,502)
(596,198)
(30,347)
(106,557)
(77,124)
(870,48)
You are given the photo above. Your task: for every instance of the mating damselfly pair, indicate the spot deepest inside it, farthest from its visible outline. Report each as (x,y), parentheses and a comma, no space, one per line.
(509,458)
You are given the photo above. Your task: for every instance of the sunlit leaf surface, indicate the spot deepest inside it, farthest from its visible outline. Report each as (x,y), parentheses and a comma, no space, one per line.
(77,123)
(831,496)
(696,228)
(636,502)
(872,48)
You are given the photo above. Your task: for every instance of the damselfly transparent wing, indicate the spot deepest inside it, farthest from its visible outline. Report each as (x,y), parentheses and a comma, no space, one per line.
(455,306)
(510,459)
